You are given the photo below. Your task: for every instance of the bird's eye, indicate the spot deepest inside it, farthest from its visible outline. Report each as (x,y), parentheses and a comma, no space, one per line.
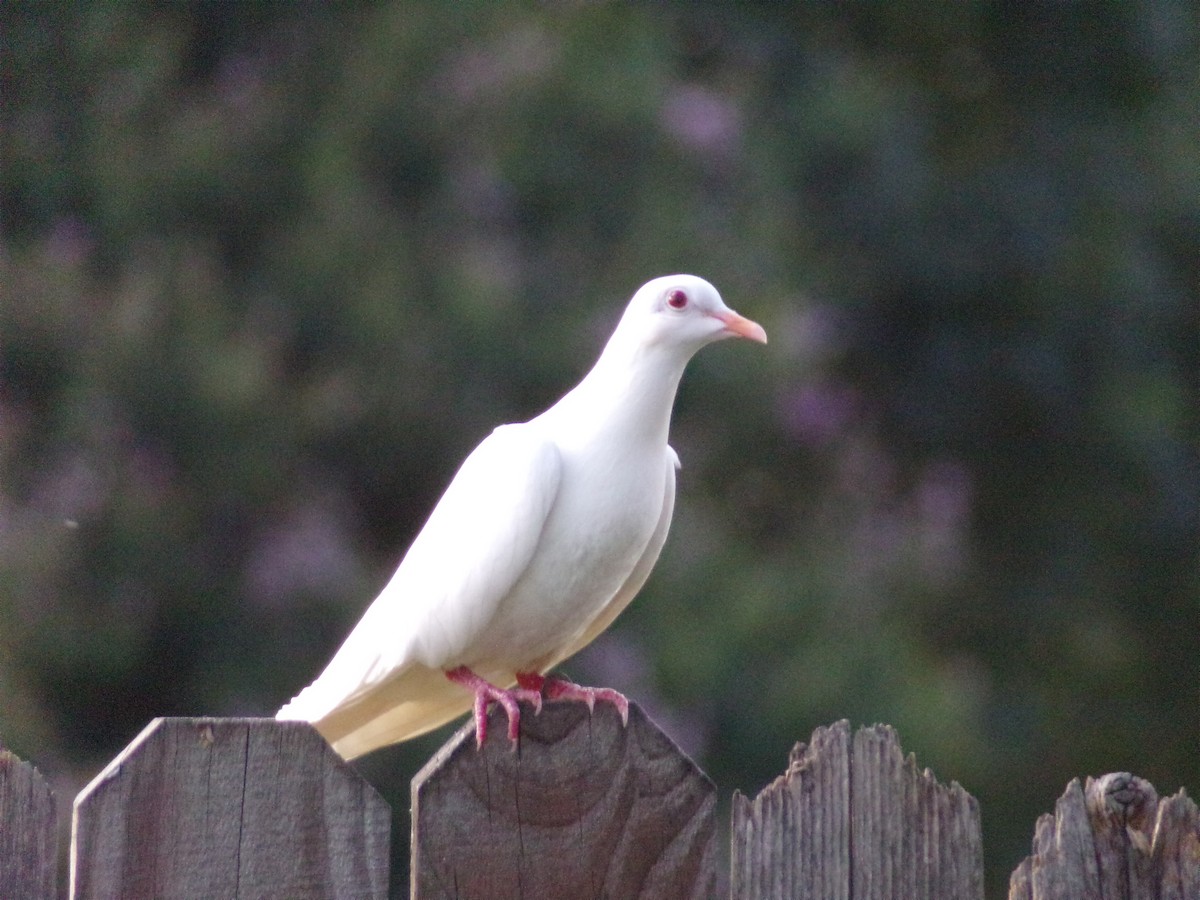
(677,299)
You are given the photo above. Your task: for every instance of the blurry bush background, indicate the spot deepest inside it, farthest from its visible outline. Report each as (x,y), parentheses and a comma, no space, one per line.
(269,271)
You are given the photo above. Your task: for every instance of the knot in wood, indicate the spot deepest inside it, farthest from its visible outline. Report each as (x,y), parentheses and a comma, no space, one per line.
(1130,798)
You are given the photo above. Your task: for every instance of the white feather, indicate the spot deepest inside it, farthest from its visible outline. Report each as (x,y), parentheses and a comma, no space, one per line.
(544,535)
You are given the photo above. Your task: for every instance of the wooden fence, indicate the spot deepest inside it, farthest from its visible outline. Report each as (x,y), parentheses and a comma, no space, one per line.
(584,808)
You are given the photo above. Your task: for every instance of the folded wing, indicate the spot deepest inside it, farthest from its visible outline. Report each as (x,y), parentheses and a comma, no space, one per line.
(386,683)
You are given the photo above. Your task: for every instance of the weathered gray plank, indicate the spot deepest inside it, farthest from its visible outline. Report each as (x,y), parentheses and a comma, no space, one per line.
(583,808)
(28,832)
(229,808)
(793,839)
(853,819)
(1113,839)
(1175,848)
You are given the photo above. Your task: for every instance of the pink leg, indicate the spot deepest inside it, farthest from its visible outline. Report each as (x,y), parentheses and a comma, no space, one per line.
(485,692)
(555,688)
(531,681)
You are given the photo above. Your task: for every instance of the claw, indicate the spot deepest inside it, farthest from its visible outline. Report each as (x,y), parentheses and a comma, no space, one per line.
(486,692)
(531,687)
(556,688)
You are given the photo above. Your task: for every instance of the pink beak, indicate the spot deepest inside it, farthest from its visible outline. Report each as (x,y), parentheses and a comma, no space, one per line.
(740,326)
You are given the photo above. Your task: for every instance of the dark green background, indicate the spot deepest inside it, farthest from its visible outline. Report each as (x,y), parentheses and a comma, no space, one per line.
(269,271)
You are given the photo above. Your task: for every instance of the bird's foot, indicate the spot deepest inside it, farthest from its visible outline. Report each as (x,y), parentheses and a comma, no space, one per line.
(486,692)
(555,688)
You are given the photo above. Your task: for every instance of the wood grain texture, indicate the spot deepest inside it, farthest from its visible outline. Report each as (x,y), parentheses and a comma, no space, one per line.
(229,808)
(28,832)
(583,808)
(910,835)
(853,819)
(1112,838)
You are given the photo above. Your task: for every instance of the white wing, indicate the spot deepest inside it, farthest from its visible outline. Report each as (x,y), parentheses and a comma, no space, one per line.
(477,542)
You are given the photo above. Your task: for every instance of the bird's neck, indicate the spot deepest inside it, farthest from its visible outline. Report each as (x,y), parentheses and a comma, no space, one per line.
(627,394)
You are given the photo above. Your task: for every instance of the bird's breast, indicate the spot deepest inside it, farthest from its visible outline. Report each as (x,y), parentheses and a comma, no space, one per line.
(597,530)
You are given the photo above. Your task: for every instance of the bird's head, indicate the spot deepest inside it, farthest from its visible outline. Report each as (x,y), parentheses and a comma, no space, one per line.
(686,312)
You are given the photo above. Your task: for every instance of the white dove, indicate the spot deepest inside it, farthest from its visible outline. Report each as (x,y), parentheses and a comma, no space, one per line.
(547,531)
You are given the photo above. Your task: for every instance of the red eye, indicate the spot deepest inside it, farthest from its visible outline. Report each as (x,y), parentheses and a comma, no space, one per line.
(677,299)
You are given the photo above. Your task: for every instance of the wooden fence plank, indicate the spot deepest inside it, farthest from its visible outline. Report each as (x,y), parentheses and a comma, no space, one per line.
(229,808)
(1175,848)
(198,808)
(793,839)
(583,808)
(853,819)
(1112,838)
(910,836)
(28,832)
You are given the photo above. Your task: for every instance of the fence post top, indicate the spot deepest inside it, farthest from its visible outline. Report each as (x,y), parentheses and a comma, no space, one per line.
(563,726)
(207,731)
(582,806)
(229,807)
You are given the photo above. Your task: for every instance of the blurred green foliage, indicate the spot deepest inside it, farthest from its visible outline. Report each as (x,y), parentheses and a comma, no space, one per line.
(269,271)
